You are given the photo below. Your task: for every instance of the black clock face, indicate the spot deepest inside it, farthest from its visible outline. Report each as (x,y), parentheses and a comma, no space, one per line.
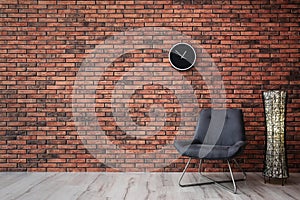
(182,56)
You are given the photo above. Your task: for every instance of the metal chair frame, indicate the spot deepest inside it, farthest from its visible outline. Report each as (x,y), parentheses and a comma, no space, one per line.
(212,181)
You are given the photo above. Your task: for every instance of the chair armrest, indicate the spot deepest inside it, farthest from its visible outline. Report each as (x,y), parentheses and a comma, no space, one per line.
(236,148)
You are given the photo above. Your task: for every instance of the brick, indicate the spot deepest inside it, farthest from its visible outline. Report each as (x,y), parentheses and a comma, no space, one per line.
(43,45)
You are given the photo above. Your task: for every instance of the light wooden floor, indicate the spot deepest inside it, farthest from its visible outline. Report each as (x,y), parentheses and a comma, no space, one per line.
(135,186)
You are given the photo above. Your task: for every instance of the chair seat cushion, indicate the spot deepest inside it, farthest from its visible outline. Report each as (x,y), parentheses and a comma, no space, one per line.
(194,149)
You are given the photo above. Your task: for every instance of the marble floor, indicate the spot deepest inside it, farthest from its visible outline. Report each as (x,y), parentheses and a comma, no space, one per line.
(135,186)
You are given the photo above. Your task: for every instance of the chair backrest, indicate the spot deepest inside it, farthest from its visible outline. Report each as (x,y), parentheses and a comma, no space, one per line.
(220,127)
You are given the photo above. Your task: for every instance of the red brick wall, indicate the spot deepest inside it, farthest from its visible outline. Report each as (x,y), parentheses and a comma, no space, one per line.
(254,45)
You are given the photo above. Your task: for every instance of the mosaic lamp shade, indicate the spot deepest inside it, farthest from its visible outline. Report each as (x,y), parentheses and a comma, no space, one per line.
(275,165)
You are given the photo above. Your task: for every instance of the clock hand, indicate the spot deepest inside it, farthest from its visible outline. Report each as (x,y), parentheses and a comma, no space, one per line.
(178,53)
(182,56)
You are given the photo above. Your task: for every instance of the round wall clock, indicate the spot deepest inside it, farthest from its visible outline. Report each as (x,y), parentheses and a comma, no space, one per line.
(182,56)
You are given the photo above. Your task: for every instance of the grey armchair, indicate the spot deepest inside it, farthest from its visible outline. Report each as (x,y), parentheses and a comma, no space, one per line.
(219,135)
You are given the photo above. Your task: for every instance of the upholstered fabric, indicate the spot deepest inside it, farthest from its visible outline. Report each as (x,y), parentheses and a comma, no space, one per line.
(219,134)
(186,148)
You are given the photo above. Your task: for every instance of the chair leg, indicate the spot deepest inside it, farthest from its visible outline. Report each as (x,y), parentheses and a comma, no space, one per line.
(212,181)
(232,178)
(189,184)
(244,173)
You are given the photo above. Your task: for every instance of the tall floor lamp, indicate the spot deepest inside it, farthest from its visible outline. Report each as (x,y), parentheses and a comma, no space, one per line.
(275,164)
